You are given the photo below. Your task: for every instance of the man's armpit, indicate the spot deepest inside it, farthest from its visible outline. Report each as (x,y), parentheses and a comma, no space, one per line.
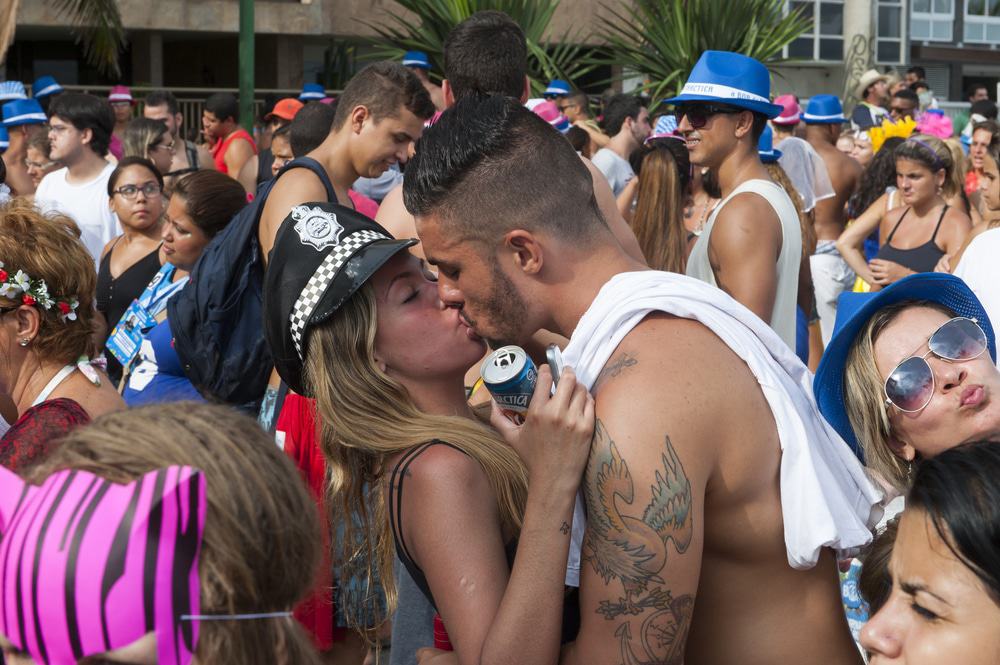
(627,546)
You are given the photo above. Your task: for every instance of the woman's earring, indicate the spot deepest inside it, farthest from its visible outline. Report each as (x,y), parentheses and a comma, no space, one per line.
(24,341)
(909,472)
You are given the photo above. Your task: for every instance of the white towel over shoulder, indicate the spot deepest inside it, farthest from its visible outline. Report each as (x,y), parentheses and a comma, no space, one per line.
(826,497)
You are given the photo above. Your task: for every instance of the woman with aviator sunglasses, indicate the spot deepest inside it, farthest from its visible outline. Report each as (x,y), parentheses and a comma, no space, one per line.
(910,372)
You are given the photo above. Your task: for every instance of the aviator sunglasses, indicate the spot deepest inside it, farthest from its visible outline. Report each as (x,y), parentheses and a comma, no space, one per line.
(698,114)
(910,385)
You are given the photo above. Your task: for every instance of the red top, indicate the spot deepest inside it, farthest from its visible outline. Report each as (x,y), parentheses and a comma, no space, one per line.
(36,433)
(971,182)
(222,145)
(298,433)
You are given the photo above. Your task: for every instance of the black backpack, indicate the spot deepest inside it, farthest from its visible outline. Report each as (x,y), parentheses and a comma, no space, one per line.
(217,318)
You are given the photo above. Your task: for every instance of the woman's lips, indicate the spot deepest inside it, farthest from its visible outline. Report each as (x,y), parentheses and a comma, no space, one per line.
(973,396)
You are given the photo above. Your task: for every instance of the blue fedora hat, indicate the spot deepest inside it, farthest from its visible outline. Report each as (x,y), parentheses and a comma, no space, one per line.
(416,59)
(45,86)
(4,139)
(729,78)
(23,112)
(765,147)
(824,110)
(557,87)
(854,311)
(311,92)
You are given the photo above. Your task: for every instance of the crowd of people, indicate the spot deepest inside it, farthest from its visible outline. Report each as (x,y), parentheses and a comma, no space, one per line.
(778,378)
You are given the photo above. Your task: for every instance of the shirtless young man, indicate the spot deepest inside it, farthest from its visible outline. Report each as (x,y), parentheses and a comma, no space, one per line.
(751,246)
(379,116)
(831,274)
(685,556)
(487,53)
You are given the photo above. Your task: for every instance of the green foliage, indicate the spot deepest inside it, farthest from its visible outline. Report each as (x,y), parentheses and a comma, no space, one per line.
(662,39)
(562,58)
(97,25)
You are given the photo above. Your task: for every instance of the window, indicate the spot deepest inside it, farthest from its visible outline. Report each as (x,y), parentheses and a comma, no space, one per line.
(826,39)
(932,20)
(889,31)
(982,21)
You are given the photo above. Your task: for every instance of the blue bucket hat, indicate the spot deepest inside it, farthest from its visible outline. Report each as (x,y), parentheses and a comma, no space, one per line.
(765,147)
(311,92)
(854,311)
(45,86)
(557,87)
(4,139)
(11,90)
(416,59)
(23,112)
(729,78)
(824,110)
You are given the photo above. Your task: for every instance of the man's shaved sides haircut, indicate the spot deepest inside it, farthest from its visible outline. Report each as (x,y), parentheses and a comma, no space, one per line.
(486,54)
(382,88)
(489,165)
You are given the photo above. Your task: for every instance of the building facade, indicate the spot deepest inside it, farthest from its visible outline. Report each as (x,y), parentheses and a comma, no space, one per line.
(955,41)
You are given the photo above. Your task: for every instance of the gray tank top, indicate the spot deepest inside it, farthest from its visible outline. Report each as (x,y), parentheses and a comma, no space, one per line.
(699,266)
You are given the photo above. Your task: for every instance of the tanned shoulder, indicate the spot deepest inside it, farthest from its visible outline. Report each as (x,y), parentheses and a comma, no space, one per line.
(295,187)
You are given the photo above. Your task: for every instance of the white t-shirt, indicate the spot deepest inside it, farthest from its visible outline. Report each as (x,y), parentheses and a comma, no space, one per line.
(978,268)
(615,169)
(86,204)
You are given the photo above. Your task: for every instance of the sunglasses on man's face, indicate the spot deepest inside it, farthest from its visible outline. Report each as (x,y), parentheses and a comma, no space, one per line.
(911,384)
(698,114)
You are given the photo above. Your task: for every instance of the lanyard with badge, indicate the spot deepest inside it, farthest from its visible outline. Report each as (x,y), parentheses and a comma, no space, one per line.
(141,315)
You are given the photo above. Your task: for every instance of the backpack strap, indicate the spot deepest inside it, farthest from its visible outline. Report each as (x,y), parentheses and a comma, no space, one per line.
(315,167)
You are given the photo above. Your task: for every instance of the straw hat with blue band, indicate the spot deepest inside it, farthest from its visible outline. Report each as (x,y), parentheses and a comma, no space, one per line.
(729,78)
(765,147)
(323,253)
(854,311)
(45,86)
(824,110)
(416,59)
(23,112)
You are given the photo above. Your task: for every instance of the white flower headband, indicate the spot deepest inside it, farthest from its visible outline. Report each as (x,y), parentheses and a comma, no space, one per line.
(35,292)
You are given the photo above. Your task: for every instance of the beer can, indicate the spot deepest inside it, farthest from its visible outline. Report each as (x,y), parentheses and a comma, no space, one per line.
(510,376)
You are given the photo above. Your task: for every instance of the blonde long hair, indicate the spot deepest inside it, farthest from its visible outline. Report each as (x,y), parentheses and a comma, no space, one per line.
(366,417)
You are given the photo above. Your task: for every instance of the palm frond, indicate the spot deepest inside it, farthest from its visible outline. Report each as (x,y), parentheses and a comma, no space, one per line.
(97,25)
(663,39)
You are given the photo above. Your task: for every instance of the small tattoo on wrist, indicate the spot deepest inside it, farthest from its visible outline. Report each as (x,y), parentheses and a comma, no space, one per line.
(564,529)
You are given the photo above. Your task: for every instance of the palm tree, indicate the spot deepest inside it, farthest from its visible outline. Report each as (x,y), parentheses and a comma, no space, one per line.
(97,25)
(547,59)
(663,39)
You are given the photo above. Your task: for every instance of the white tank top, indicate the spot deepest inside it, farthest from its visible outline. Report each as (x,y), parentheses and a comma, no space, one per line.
(783,315)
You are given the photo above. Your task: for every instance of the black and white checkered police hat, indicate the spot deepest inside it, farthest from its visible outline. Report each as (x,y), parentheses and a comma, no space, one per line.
(323,253)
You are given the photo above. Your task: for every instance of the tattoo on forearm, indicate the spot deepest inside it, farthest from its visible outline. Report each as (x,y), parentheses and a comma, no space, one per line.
(615,367)
(564,529)
(630,546)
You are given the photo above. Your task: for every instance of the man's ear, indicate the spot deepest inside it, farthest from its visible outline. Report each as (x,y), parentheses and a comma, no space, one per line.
(86,136)
(526,93)
(744,124)
(358,116)
(525,251)
(179,120)
(448,93)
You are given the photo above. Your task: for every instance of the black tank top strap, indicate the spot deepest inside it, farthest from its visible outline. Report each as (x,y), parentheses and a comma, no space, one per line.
(192,154)
(395,503)
(893,232)
(940,219)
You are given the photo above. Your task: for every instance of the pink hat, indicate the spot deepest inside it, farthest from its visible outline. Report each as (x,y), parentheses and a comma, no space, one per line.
(790,110)
(935,123)
(121,93)
(550,113)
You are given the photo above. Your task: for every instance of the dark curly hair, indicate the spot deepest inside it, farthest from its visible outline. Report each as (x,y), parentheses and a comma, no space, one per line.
(878,175)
